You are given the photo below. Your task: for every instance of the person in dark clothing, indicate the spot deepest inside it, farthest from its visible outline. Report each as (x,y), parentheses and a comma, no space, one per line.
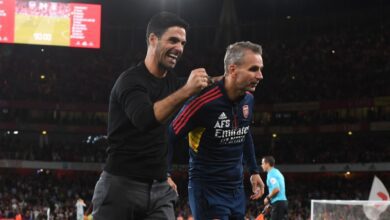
(133,184)
(217,123)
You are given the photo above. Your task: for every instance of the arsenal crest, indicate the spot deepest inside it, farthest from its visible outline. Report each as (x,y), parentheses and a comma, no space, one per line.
(245,111)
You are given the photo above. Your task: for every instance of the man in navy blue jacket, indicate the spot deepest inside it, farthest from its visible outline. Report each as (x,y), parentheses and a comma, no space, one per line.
(217,122)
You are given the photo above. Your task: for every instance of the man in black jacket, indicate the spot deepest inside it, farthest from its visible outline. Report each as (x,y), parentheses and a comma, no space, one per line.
(134,184)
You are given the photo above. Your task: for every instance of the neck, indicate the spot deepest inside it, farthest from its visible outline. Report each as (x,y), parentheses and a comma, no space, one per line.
(233,93)
(152,65)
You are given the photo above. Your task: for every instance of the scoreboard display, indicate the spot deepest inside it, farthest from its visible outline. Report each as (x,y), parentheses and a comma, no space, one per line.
(50,23)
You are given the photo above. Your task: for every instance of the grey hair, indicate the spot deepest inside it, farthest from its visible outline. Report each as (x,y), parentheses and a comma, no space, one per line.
(235,52)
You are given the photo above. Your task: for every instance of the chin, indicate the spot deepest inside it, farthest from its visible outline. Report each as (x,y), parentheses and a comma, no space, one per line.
(166,66)
(169,66)
(251,89)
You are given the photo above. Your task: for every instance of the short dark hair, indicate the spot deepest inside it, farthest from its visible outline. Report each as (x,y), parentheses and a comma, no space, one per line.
(160,22)
(270,160)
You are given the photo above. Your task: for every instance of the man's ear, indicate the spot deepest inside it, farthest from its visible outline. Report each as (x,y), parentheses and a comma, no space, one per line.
(232,70)
(152,40)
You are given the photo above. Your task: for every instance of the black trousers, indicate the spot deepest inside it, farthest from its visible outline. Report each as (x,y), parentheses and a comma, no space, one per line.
(279,210)
(121,198)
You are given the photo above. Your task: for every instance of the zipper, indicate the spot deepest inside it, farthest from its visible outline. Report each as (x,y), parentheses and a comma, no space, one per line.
(235,118)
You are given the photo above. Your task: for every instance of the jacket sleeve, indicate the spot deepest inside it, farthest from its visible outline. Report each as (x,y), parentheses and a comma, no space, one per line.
(179,128)
(250,155)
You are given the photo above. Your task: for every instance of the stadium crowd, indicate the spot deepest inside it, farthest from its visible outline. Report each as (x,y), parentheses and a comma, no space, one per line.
(346,63)
(261,118)
(42,149)
(321,117)
(343,64)
(358,147)
(32,193)
(41,8)
(290,149)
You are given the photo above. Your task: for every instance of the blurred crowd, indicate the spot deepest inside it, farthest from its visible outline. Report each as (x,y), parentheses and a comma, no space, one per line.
(32,194)
(343,64)
(321,117)
(55,78)
(90,149)
(36,195)
(261,118)
(40,8)
(53,117)
(346,147)
(357,147)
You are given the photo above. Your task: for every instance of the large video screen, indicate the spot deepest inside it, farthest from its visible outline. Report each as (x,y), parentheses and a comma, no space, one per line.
(50,23)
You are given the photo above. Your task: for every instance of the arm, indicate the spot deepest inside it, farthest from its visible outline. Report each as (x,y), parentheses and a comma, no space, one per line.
(271,195)
(174,134)
(143,113)
(274,192)
(173,137)
(163,109)
(171,143)
(249,155)
(250,160)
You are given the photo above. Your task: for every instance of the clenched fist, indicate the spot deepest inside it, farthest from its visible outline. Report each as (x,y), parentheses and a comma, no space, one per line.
(197,81)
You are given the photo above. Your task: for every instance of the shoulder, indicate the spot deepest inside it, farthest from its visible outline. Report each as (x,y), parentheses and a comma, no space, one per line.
(277,172)
(214,88)
(273,172)
(207,95)
(133,77)
(197,102)
(135,73)
(280,173)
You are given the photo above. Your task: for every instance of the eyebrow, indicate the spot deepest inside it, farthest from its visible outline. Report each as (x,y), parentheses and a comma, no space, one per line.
(255,68)
(176,39)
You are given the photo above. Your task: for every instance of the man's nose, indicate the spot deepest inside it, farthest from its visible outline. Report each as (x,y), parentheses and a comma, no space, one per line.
(259,75)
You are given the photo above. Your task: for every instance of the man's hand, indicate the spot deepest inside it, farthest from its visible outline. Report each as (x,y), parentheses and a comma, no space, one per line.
(164,108)
(257,186)
(197,81)
(172,184)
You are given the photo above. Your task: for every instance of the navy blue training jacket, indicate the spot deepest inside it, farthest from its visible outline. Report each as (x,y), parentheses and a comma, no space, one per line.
(219,136)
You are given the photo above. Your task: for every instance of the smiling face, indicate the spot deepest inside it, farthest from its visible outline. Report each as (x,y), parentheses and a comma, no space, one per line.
(169,47)
(248,73)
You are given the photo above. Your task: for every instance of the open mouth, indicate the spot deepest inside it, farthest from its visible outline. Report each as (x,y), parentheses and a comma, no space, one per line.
(173,56)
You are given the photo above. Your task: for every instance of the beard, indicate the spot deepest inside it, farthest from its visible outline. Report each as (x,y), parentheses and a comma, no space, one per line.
(164,66)
(165,61)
